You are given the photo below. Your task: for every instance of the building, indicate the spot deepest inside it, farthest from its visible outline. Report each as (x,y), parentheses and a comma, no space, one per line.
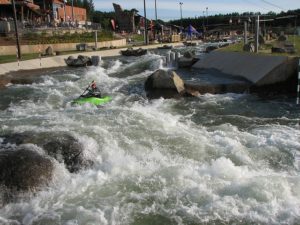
(25,10)
(125,19)
(69,13)
(41,12)
(59,11)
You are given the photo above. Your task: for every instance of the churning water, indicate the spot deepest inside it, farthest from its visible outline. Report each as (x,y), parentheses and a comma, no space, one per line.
(214,159)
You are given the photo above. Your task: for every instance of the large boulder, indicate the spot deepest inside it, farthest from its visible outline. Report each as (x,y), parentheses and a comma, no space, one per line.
(61,146)
(164,83)
(80,61)
(23,169)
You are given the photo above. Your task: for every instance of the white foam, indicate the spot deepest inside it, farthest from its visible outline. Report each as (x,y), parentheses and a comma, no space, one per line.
(151,158)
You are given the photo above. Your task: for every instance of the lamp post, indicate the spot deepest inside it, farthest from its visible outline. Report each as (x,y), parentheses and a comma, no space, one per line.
(145,24)
(230,22)
(207,16)
(180,4)
(155,12)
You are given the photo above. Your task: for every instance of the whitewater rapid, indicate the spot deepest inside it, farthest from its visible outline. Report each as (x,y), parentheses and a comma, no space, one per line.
(214,159)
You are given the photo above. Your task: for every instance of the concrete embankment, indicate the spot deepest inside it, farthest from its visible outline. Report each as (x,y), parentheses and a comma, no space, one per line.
(264,72)
(27,49)
(58,61)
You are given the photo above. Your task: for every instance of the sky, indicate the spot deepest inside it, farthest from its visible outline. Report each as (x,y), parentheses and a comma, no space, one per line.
(170,9)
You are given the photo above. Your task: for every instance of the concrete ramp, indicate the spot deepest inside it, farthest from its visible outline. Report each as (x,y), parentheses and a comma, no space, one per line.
(259,69)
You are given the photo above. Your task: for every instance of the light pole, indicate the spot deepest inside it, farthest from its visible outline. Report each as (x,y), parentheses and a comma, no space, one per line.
(207,16)
(145,24)
(180,4)
(155,12)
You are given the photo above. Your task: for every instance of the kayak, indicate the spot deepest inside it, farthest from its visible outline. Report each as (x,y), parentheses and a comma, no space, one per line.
(92,100)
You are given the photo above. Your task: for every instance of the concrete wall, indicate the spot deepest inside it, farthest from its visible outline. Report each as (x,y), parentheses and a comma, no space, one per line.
(25,49)
(259,69)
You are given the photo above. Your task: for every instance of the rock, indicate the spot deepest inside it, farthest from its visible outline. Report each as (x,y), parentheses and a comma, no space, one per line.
(211,48)
(61,146)
(184,62)
(189,54)
(282,38)
(278,50)
(165,84)
(24,169)
(134,52)
(49,51)
(81,61)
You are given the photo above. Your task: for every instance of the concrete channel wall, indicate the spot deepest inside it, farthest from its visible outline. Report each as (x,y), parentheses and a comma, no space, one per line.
(25,49)
(259,69)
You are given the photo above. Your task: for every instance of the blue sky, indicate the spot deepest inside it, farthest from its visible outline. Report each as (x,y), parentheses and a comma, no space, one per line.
(169,9)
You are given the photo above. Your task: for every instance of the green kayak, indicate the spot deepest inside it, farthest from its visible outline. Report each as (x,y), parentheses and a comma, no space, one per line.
(92,100)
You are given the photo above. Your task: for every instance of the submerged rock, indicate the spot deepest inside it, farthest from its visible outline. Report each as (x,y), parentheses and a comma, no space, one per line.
(23,169)
(61,146)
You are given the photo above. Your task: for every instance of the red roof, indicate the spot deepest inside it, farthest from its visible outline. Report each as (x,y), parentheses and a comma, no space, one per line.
(5,2)
(58,1)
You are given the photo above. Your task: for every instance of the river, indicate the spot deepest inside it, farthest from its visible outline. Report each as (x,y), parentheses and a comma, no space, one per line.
(212,159)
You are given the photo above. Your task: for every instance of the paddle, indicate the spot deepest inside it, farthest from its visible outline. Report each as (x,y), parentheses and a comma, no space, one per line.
(86,89)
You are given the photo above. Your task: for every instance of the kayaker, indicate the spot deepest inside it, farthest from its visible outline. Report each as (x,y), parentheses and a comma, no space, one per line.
(93,91)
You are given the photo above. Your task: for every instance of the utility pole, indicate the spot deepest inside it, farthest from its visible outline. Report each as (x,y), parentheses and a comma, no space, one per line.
(207,16)
(16,29)
(180,4)
(145,24)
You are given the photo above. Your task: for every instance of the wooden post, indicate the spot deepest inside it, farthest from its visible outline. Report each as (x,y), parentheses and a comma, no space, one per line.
(40,56)
(145,24)
(96,40)
(298,86)
(245,33)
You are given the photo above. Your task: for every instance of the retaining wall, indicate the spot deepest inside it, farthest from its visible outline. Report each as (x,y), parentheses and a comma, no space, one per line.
(25,49)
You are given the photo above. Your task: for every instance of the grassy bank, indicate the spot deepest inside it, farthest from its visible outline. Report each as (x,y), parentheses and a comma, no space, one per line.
(266,48)
(13,58)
